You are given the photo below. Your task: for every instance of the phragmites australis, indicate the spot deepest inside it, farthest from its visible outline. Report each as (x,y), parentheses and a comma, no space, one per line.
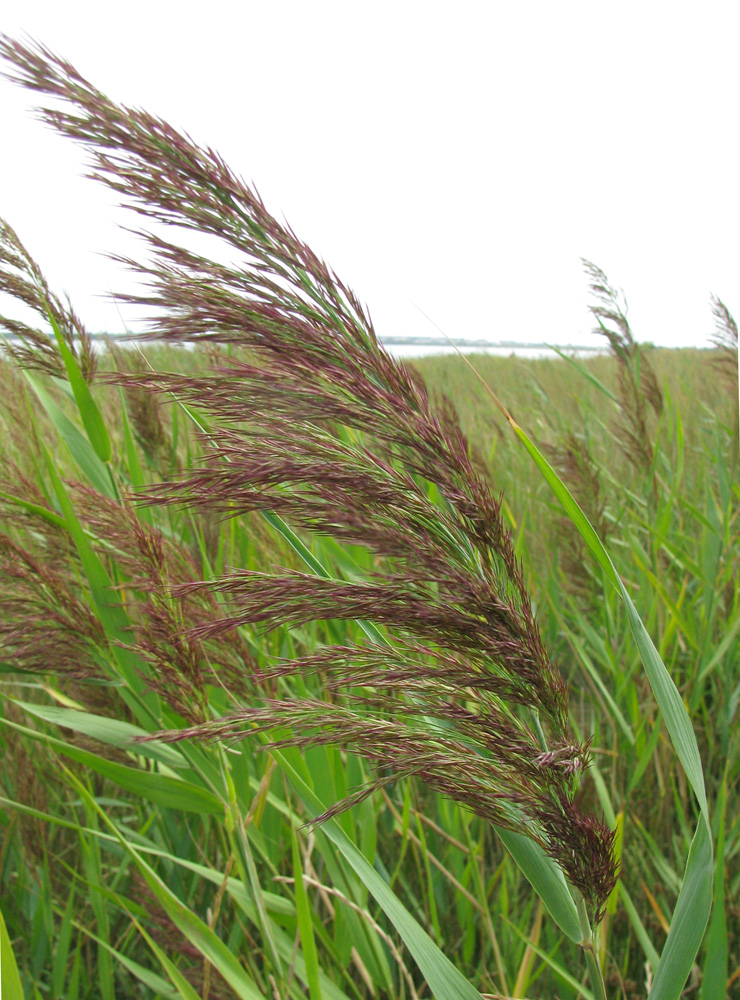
(310,421)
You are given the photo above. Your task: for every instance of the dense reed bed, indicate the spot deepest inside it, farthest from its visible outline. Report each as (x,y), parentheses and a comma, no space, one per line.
(296,702)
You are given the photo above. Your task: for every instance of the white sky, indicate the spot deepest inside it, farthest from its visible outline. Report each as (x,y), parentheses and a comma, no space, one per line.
(460,159)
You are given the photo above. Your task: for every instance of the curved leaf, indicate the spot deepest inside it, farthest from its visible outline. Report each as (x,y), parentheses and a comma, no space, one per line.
(691,914)
(111,731)
(162,789)
(10,980)
(546,879)
(445,981)
(97,433)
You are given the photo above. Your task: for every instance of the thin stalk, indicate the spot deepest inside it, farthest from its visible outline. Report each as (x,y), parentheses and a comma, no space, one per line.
(242,854)
(538,730)
(589,946)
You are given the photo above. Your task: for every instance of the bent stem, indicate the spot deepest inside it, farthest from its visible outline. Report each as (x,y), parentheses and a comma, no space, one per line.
(588,944)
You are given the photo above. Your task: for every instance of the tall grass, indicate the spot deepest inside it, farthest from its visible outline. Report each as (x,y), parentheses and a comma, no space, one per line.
(279,712)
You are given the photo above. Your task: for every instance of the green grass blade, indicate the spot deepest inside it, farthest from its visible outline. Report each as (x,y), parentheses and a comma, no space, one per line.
(198,933)
(36,509)
(671,706)
(133,462)
(692,909)
(92,419)
(61,951)
(10,980)
(305,924)
(714,980)
(161,789)
(430,900)
(92,863)
(638,927)
(570,506)
(549,960)
(108,730)
(595,676)
(645,757)
(666,693)
(97,473)
(581,368)
(182,986)
(445,981)
(546,879)
(159,986)
(278,905)
(728,642)
(107,604)
(248,871)
(688,922)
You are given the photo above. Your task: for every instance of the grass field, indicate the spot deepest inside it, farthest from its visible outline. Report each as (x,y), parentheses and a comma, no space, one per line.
(83,910)
(316,685)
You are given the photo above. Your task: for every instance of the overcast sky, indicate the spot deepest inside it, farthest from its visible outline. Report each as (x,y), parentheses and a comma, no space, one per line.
(455,159)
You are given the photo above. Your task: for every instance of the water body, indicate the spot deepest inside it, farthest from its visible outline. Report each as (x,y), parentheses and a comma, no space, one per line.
(409,349)
(424,347)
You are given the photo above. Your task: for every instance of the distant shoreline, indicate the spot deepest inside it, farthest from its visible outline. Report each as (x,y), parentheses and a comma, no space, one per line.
(410,347)
(486,345)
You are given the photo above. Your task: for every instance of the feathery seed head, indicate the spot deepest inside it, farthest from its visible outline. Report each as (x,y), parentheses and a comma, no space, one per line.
(312,421)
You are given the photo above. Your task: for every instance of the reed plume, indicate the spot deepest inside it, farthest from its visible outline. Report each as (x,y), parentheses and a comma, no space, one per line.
(638,387)
(726,344)
(31,347)
(312,422)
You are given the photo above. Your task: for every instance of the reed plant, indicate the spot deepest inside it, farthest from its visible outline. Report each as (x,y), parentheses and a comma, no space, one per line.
(263,637)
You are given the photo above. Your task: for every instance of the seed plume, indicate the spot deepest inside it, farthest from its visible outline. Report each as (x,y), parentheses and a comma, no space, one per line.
(309,420)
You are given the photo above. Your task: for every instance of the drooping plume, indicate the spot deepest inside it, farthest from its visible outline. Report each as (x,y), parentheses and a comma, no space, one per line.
(312,422)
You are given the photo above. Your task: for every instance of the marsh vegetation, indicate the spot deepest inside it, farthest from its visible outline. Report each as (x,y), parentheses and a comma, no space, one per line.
(317,677)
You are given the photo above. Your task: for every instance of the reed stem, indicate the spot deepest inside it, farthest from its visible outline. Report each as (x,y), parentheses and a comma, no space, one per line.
(588,944)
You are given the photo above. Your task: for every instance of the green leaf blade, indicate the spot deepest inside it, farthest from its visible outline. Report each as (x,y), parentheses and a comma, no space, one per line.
(91,417)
